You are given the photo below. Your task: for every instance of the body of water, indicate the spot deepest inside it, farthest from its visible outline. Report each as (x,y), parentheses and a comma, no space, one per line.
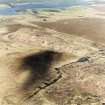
(20,5)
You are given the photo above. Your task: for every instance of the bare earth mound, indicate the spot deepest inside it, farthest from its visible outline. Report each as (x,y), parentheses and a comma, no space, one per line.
(89,28)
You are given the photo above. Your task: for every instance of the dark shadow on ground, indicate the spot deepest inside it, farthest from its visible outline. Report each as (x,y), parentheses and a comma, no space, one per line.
(39,66)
